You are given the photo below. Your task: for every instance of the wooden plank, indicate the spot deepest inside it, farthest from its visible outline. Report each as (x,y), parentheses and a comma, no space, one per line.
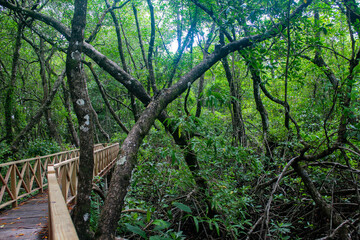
(61,225)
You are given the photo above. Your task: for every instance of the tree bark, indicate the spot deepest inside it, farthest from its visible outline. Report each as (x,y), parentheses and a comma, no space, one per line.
(118,34)
(123,61)
(202,78)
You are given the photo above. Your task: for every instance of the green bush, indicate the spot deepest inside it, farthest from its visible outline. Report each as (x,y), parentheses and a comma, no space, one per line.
(40,147)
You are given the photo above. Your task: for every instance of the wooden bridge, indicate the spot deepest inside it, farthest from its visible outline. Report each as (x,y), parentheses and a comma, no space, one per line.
(55,174)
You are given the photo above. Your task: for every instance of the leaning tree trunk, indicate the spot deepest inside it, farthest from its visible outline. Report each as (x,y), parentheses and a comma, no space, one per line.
(81,102)
(51,125)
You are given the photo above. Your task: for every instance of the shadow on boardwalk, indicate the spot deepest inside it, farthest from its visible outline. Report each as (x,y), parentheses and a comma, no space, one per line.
(27,221)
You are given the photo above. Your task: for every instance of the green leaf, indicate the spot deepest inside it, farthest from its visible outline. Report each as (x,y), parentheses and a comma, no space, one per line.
(136,230)
(196,221)
(148,215)
(161,224)
(155,238)
(182,207)
(217,228)
(158,238)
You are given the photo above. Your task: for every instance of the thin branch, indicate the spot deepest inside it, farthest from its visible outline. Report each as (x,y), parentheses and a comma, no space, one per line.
(185,101)
(118,35)
(102,91)
(267,208)
(139,36)
(151,48)
(99,24)
(39,112)
(4,68)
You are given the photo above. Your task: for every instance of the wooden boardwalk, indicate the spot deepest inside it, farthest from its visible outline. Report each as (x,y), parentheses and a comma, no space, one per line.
(27,221)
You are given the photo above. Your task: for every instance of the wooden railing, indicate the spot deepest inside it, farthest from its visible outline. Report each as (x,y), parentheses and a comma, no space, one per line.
(19,179)
(66,171)
(62,179)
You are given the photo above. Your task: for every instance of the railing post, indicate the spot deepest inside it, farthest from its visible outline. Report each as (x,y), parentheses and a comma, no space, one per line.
(95,165)
(13,185)
(63,180)
(73,179)
(39,174)
(27,175)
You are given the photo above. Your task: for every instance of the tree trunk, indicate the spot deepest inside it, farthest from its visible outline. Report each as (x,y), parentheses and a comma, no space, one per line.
(81,102)
(9,101)
(139,36)
(51,125)
(237,118)
(255,75)
(202,78)
(127,158)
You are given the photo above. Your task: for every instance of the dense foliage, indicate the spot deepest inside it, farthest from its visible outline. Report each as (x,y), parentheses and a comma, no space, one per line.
(257,105)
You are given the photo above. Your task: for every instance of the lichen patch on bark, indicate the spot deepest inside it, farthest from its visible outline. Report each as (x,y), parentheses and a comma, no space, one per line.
(121,161)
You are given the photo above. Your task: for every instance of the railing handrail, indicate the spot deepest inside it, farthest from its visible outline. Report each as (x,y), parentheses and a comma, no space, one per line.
(60,224)
(37,157)
(57,165)
(46,156)
(107,147)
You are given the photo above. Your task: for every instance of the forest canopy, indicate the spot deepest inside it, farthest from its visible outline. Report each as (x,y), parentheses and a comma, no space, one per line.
(236,119)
